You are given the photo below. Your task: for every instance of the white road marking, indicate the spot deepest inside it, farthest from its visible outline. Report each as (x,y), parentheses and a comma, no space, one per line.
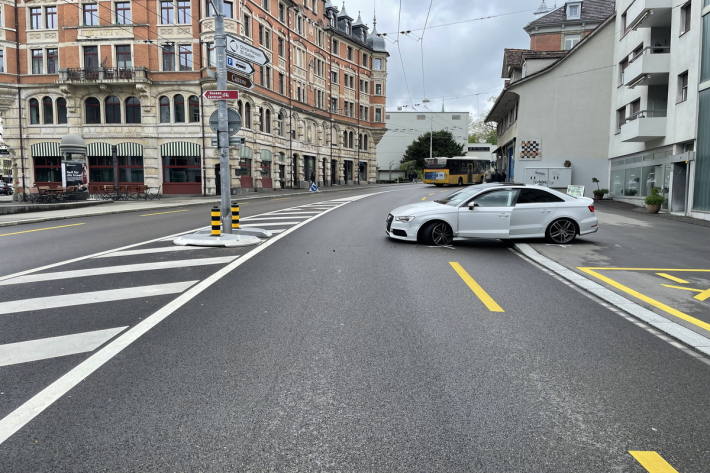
(302,212)
(93,297)
(125,268)
(276,217)
(271,224)
(53,347)
(147,251)
(278,230)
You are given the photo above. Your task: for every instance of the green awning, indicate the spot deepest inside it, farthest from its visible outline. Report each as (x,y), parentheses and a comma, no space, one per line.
(98,149)
(130,149)
(46,148)
(179,148)
(245,152)
(265,155)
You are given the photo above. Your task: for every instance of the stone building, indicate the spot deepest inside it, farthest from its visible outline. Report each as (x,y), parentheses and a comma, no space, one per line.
(128,77)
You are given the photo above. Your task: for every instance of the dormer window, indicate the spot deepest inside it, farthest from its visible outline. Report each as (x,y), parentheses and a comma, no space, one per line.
(574,10)
(332,19)
(348,29)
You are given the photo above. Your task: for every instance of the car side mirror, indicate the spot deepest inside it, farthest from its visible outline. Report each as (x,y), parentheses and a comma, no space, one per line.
(472,205)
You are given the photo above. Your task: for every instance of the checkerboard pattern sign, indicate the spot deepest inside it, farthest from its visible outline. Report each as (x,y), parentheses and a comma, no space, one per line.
(530,149)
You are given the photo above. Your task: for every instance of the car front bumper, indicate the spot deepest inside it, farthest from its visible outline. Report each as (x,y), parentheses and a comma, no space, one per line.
(401,230)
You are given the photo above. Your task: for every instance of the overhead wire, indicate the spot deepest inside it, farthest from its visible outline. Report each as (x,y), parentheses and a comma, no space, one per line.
(421,46)
(442,25)
(401,58)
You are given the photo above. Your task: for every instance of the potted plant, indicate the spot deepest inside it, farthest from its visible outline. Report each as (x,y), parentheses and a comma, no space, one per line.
(654,200)
(598,193)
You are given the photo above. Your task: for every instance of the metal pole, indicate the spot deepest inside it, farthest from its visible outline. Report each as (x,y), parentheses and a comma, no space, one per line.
(220,42)
(114,161)
(431,136)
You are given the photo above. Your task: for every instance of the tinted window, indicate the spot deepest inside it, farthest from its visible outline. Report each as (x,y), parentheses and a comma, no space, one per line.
(497,198)
(536,196)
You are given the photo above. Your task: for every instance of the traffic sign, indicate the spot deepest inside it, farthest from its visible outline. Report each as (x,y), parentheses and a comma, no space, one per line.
(237,47)
(233,141)
(234,121)
(221,94)
(239,80)
(238,65)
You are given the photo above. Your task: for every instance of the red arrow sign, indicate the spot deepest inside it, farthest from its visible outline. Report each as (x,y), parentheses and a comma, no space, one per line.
(221,94)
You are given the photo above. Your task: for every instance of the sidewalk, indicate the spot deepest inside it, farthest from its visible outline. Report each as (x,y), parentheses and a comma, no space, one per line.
(647,265)
(165,202)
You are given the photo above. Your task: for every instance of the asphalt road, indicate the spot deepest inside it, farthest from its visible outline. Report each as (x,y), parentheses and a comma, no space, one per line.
(335,349)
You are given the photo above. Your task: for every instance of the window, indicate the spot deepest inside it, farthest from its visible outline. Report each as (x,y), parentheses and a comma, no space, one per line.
(536,196)
(34,112)
(622,69)
(635,109)
(364,145)
(247,115)
(168,57)
(378,89)
(377,64)
(333,104)
(299,24)
(350,53)
(334,47)
(92,110)
(91,57)
(345,139)
(319,38)
(50,18)
(133,110)
(267,74)
(421,117)
(282,13)
(61,110)
(497,198)
(350,140)
(193,109)
(227,9)
(685,15)
(185,56)
(378,115)
(456,117)
(334,77)
(574,10)
(282,124)
(35,18)
(364,59)
(37,61)
(624,23)
(167,13)
(112,109)
(47,111)
(261,119)
(247,26)
(265,4)
(179,108)
(52,61)
(164,104)
(123,56)
(123,13)
(90,14)
(683,87)
(264,37)
(571,41)
(183,12)
(314,6)
(282,85)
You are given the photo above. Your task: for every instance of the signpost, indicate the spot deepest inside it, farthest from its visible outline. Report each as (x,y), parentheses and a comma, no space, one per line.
(241,81)
(234,122)
(221,94)
(240,49)
(238,65)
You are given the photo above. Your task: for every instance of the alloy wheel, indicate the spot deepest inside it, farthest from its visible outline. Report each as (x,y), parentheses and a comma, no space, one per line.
(562,231)
(441,234)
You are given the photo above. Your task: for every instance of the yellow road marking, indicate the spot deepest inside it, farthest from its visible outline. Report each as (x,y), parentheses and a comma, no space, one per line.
(166,212)
(42,229)
(691,289)
(652,269)
(487,300)
(423,198)
(672,278)
(703,295)
(659,305)
(652,462)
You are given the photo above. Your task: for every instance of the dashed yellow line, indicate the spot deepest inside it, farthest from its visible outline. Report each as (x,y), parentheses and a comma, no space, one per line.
(424,198)
(481,293)
(672,278)
(652,462)
(166,212)
(42,229)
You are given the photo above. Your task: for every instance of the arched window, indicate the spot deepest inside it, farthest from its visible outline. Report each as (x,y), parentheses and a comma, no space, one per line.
(268,121)
(282,124)
(47,111)
(112,109)
(193,109)
(345,139)
(92,110)
(261,119)
(133,110)
(350,140)
(179,108)
(61,110)
(164,109)
(240,109)
(34,112)
(364,145)
(247,115)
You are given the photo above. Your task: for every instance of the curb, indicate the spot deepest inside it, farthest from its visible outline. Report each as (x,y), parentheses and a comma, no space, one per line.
(271,195)
(674,330)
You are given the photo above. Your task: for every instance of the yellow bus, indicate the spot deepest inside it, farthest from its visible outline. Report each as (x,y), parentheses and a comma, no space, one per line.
(459,170)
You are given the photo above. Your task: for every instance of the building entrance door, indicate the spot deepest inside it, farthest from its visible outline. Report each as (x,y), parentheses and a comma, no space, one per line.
(679,189)
(333,172)
(348,168)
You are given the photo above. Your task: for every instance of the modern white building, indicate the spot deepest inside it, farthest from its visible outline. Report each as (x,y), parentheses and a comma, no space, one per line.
(480,150)
(655,102)
(405,127)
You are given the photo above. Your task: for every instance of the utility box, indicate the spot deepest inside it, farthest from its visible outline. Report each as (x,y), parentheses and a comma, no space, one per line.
(555,177)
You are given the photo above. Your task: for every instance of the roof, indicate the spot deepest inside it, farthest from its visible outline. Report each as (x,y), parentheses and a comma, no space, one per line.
(593,11)
(514,58)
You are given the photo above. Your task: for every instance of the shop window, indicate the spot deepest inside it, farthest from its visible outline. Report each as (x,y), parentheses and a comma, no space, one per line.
(164,105)
(133,110)
(179,108)
(112,109)
(244,167)
(193,104)
(47,111)
(182,169)
(34,112)
(130,168)
(92,109)
(47,169)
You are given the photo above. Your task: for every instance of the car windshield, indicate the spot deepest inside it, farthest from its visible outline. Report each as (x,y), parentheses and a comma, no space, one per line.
(461,196)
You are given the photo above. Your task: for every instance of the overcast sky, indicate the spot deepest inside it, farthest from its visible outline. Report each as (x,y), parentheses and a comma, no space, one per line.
(459,60)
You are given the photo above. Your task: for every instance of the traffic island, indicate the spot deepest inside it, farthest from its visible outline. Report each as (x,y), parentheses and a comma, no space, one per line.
(226,240)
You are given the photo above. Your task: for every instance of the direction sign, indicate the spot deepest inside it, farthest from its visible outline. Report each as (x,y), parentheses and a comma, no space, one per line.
(239,80)
(221,94)
(237,47)
(238,65)
(234,121)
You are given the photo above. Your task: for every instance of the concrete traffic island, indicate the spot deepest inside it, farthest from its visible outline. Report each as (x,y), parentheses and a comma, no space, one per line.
(227,240)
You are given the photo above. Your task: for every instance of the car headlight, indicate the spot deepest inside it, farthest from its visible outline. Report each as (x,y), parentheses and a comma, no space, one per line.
(404,219)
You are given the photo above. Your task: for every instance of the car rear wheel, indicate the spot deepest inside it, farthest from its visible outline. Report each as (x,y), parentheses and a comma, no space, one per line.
(562,231)
(460,181)
(438,233)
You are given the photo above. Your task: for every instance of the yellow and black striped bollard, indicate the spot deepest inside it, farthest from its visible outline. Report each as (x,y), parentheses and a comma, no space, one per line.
(235,216)
(216,223)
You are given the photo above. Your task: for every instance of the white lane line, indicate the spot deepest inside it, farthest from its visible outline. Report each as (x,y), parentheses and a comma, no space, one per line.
(271,224)
(147,251)
(126,268)
(53,347)
(277,231)
(302,212)
(93,297)
(275,218)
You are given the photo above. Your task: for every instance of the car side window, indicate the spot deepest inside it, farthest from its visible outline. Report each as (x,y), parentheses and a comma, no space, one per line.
(496,198)
(536,196)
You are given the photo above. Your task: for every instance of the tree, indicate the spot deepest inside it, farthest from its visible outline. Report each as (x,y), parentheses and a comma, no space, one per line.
(443,144)
(480,132)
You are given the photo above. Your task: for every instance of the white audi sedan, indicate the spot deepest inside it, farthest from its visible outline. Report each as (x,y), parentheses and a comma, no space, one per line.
(504,211)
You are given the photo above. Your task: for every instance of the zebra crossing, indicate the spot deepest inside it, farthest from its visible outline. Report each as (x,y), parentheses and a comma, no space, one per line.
(144,276)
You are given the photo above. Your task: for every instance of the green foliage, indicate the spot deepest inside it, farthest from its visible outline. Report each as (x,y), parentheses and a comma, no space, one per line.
(480,132)
(443,144)
(654,198)
(596,181)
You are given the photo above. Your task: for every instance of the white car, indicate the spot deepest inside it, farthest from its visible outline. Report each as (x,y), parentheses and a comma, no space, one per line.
(504,211)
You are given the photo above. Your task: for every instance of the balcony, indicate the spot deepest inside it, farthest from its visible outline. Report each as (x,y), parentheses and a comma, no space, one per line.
(650,67)
(649,13)
(104,75)
(646,125)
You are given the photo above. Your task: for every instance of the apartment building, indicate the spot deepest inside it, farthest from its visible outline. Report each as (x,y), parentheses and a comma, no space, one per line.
(562,28)
(128,77)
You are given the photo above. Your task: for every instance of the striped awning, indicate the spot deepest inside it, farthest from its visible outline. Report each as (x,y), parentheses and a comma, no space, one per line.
(46,148)
(130,149)
(179,148)
(98,149)
(245,152)
(265,155)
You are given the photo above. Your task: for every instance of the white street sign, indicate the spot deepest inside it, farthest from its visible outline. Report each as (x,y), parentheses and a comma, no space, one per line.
(237,65)
(237,47)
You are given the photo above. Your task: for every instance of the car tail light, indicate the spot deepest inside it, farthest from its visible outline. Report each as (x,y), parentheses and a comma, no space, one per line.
(591,208)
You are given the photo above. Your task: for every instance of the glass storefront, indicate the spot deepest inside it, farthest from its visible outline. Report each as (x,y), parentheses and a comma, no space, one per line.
(636,176)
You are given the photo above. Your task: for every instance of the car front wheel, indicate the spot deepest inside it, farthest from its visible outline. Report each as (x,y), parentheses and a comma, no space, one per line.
(438,233)
(561,231)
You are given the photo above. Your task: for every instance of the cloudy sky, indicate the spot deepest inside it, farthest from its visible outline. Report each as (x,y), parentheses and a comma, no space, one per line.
(460,60)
